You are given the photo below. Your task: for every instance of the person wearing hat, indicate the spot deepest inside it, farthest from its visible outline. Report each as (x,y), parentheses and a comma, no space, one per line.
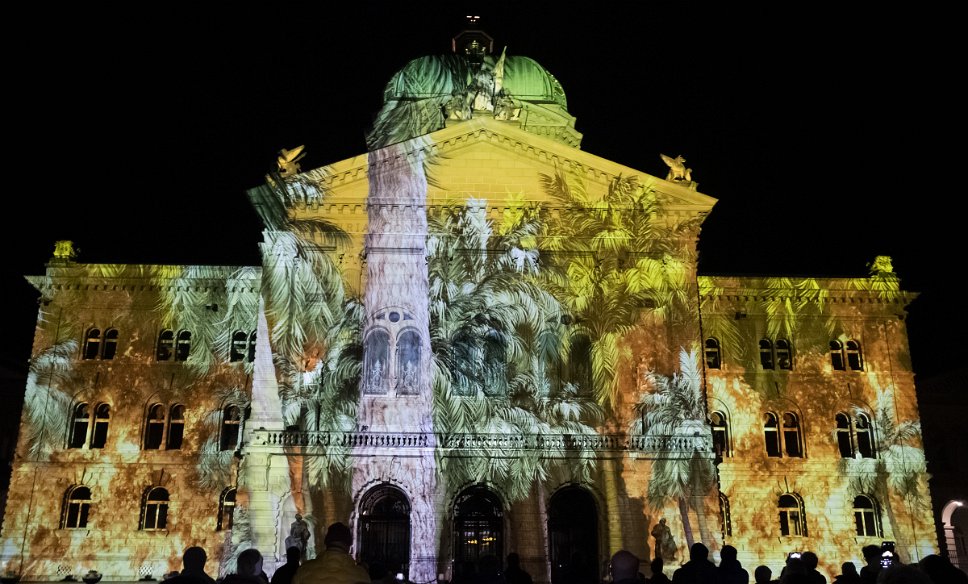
(335,565)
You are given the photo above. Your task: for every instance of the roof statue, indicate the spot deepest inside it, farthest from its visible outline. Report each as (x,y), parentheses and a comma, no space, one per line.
(434,91)
(677,169)
(881,265)
(288,160)
(64,250)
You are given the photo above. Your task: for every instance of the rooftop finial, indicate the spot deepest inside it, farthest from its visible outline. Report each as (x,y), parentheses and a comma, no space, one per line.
(472,20)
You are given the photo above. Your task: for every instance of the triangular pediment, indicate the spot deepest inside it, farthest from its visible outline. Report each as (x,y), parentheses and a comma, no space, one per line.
(488,159)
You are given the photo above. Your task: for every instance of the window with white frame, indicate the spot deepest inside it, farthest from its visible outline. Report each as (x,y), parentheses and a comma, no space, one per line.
(154,509)
(792,520)
(77,507)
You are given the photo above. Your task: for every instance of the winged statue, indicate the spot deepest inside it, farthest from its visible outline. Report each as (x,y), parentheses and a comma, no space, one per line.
(677,168)
(288,160)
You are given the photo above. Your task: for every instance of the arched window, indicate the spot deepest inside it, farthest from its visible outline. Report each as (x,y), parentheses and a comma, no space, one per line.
(408,363)
(866,516)
(87,430)
(580,365)
(854,357)
(238,349)
(725,522)
(495,366)
(784,354)
(377,356)
(720,427)
(792,440)
(837,355)
(102,419)
(155,427)
(845,441)
(166,345)
(771,430)
(792,521)
(154,509)
(77,508)
(176,427)
(864,436)
(92,343)
(231,421)
(81,423)
(712,353)
(766,353)
(164,426)
(226,509)
(110,344)
(183,345)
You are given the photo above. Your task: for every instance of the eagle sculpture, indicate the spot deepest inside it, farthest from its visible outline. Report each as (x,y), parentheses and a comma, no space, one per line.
(288,160)
(677,168)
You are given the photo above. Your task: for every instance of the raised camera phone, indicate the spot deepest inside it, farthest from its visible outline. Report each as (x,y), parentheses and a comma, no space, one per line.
(887,554)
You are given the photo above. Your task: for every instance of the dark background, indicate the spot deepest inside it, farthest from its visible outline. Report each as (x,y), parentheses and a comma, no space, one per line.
(826,133)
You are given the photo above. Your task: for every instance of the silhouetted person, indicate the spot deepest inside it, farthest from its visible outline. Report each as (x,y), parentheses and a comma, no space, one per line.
(848,574)
(698,570)
(625,568)
(794,572)
(248,569)
(658,576)
(872,555)
(810,560)
(335,565)
(514,574)
(941,570)
(193,571)
(285,572)
(763,575)
(731,571)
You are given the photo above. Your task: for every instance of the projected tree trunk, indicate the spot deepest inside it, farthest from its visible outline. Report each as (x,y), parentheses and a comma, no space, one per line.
(395,393)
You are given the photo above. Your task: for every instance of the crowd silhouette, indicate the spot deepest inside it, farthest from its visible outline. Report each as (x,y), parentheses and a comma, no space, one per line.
(335,565)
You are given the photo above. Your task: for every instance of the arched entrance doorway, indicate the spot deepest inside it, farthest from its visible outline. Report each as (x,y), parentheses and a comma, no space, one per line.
(385,529)
(573,537)
(954,519)
(478,530)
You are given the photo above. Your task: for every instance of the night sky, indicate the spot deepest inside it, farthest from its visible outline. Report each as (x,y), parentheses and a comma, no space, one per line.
(826,136)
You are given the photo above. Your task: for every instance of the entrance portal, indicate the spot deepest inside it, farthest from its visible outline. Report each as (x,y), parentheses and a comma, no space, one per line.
(385,529)
(573,536)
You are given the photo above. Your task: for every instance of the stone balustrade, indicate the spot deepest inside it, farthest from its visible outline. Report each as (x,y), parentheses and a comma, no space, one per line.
(489,442)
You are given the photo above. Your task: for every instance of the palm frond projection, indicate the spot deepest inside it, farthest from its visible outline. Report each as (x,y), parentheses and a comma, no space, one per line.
(498,347)
(213,469)
(675,407)
(611,259)
(315,326)
(898,468)
(47,403)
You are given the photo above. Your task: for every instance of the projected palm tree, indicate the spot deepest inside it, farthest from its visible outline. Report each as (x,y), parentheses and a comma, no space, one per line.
(498,346)
(675,408)
(610,259)
(899,466)
(314,324)
(46,403)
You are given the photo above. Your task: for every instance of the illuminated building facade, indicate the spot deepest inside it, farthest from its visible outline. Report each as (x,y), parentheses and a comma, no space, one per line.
(472,340)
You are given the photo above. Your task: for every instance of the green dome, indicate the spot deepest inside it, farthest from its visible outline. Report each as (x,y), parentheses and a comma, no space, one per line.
(430,92)
(439,76)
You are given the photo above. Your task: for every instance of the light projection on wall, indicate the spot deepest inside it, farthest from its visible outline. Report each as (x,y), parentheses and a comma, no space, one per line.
(454,370)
